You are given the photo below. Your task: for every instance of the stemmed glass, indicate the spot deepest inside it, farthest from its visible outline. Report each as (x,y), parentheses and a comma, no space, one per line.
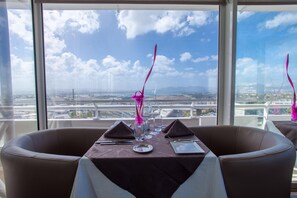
(157,121)
(147,128)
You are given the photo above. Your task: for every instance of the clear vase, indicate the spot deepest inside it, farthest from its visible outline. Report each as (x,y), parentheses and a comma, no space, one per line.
(141,122)
(139,132)
(139,106)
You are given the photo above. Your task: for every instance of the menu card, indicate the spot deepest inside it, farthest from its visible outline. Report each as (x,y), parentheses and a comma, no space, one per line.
(186,147)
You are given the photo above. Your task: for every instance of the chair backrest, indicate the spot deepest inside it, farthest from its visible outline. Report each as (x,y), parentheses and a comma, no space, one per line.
(44,163)
(254,162)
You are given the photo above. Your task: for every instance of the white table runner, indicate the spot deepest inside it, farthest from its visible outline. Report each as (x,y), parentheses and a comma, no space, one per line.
(206,182)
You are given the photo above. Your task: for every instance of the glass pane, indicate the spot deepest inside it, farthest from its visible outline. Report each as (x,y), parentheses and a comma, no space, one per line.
(264,38)
(263,92)
(97,59)
(18,98)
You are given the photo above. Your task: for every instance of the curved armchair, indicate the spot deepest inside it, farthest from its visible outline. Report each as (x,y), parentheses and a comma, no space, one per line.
(255,163)
(43,164)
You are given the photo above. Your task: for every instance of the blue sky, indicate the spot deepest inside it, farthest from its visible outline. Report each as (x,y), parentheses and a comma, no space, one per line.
(112,51)
(263,40)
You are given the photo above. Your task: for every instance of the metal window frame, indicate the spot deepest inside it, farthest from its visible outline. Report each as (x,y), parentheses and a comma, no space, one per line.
(227,63)
(40,80)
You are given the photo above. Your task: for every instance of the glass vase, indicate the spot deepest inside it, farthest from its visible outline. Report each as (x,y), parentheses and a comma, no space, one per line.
(139,132)
(294,113)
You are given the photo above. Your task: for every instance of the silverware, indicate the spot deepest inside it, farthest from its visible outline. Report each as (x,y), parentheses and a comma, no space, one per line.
(112,142)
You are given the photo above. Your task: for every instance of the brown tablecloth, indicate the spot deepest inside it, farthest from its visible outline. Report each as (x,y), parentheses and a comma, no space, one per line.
(155,174)
(289,129)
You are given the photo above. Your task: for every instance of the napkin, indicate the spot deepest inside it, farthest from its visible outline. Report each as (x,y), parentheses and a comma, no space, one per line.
(177,129)
(119,130)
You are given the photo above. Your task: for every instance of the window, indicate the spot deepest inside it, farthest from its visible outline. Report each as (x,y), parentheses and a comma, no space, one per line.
(265,35)
(17,78)
(264,38)
(97,59)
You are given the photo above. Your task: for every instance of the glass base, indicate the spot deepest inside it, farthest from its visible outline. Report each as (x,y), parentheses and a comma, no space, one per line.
(156,131)
(139,139)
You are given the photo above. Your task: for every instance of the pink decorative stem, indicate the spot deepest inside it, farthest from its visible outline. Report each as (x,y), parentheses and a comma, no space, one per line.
(139,95)
(294,108)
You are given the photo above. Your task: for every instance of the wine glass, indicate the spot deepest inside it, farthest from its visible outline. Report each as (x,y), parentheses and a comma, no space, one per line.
(146,129)
(158,125)
(158,121)
(146,123)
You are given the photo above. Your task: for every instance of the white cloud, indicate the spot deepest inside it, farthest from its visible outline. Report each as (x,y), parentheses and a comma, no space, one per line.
(53,44)
(115,67)
(185,56)
(201,59)
(107,77)
(108,74)
(70,64)
(55,24)
(186,31)
(244,15)
(22,74)
(180,23)
(137,68)
(214,57)
(167,22)
(205,58)
(83,21)
(136,22)
(251,72)
(212,79)
(246,71)
(59,21)
(283,19)
(20,25)
(163,66)
(198,18)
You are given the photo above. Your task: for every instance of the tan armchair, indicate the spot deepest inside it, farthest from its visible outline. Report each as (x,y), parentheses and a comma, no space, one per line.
(255,163)
(43,164)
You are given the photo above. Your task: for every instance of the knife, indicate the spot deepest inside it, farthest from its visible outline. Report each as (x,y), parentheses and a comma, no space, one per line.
(112,142)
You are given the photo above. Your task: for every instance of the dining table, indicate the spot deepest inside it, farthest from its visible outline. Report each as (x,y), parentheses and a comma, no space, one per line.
(118,170)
